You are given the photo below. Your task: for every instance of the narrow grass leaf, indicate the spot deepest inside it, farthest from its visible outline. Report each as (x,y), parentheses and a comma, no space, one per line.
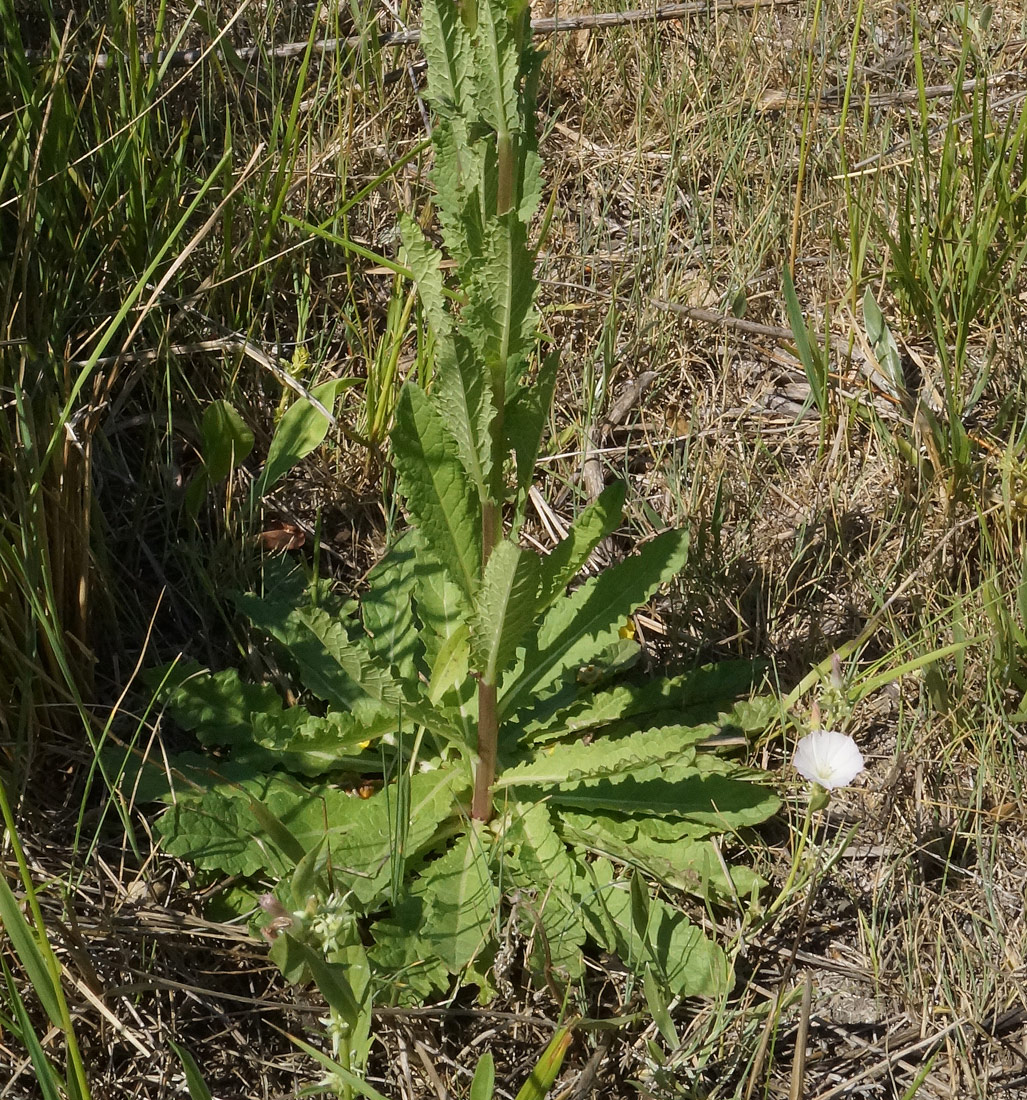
(547,1069)
(50,1083)
(23,939)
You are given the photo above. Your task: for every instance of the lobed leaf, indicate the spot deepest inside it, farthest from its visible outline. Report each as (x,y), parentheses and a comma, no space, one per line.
(425,263)
(220,832)
(461,899)
(497,62)
(700,793)
(544,872)
(464,395)
(449,52)
(671,850)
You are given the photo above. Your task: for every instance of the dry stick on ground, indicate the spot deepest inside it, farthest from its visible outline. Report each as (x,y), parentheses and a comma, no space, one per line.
(666,14)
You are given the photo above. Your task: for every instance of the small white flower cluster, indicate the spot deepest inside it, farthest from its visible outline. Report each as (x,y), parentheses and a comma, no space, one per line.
(330,921)
(828,758)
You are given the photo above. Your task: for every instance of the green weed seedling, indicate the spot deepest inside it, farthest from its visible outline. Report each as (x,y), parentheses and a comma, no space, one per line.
(499,770)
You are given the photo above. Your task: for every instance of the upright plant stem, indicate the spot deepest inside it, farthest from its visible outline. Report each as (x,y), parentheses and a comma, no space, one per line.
(492,521)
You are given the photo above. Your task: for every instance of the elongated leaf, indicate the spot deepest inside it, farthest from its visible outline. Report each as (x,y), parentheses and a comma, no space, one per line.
(295,959)
(352,655)
(457,175)
(699,697)
(436,489)
(502,318)
(881,340)
(448,50)
(194,1081)
(600,519)
(425,262)
(442,609)
(497,62)
(570,763)
(578,628)
(506,608)
(47,1077)
(810,356)
(484,1078)
(226,439)
(465,399)
(23,939)
(450,669)
(697,793)
(543,1076)
(544,871)
(344,1073)
(672,850)
(527,413)
(302,428)
(388,611)
(321,669)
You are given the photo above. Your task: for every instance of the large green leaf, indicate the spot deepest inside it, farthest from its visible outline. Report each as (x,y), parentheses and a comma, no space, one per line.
(441,607)
(670,849)
(570,763)
(220,832)
(682,958)
(218,706)
(461,901)
(700,793)
(457,175)
(544,872)
(705,695)
(464,395)
(599,519)
(435,485)
(502,318)
(580,627)
(311,744)
(447,48)
(425,263)
(506,608)
(497,60)
(388,610)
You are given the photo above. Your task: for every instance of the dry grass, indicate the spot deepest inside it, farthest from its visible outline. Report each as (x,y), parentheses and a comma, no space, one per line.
(691,161)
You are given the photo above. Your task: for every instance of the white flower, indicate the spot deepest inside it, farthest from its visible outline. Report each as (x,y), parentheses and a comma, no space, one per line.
(828,758)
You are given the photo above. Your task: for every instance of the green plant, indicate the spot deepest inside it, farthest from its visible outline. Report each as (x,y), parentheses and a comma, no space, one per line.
(514,757)
(956,236)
